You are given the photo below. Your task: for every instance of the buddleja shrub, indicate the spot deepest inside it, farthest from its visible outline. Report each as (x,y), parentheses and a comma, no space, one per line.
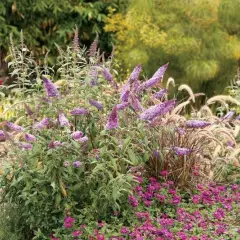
(75,149)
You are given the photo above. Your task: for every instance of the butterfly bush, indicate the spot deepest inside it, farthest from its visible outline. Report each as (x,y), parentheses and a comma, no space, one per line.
(81,161)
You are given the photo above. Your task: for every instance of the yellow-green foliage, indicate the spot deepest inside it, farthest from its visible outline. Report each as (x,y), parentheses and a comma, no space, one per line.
(187,33)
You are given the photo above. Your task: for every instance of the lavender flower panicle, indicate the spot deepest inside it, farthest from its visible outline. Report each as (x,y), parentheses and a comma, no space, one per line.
(25,146)
(77,135)
(42,124)
(30,137)
(136,86)
(197,124)
(122,105)
(79,111)
(83,139)
(15,127)
(125,93)
(160,72)
(149,83)
(112,120)
(77,164)
(50,88)
(160,93)
(182,151)
(96,104)
(229,115)
(63,121)
(135,74)
(157,110)
(28,110)
(108,76)
(135,104)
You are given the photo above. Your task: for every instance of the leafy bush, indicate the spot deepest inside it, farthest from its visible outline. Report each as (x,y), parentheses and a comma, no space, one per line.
(76,146)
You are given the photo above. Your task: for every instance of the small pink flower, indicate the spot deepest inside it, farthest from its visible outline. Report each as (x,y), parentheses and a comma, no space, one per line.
(164,173)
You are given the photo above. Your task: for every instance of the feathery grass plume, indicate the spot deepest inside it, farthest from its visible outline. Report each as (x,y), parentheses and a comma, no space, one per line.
(76,40)
(236,130)
(188,89)
(170,81)
(157,110)
(93,47)
(112,119)
(222,98)
(63,121)
(179,107)
(135,74)
(79,111)
(50,88)
(15,127)
(206,109)
(30,138)
(96,104)
(224,131)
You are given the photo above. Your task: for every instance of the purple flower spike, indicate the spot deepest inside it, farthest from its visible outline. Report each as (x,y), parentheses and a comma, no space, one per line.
(42,124)
(135,104)
(108,76)
(160,72)
(15,127)
(63,121)
(182,151)
(96,104)
(149,83)
(83,139)
(197,124)
(2,135)
(157,110)
(77,135)
(50,88)
(25,146)
(229,115)
(160,94)
(54,144)
(135,74)
(79,111)
(30,137)
(77,164)
(125,93)
(122,106)
(112,120)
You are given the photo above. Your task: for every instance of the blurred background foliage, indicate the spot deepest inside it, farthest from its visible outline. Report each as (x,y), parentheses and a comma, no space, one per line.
(199,38)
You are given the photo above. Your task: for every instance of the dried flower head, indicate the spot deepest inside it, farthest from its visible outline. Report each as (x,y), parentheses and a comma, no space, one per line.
(50,88)
(112,119)
(28,110)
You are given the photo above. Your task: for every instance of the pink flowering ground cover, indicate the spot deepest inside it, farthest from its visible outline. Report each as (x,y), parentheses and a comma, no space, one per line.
(157,210)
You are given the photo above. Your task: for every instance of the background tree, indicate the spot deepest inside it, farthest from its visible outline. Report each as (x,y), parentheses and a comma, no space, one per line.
(187,33)
(47,22)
